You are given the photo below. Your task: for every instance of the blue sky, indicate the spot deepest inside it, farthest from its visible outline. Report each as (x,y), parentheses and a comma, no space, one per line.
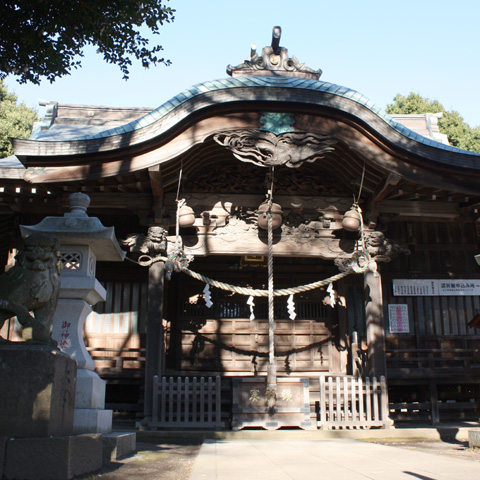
(377,47)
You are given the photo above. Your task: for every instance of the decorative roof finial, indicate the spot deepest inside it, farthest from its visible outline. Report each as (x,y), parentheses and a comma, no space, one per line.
(276,34)
(274,61)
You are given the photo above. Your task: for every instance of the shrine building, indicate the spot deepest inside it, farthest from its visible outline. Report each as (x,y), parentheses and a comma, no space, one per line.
(270,198)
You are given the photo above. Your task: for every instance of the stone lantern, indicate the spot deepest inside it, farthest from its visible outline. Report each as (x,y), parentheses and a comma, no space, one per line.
(83,241)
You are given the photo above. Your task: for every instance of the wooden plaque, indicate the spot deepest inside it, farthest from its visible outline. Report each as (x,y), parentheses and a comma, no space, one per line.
(292,407)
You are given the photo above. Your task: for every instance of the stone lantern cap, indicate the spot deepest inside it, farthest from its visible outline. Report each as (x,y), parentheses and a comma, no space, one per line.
(77,228)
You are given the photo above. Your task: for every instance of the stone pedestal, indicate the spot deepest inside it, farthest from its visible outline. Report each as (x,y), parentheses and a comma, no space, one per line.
(37,385)
(54,458)
(118,445)
(96,420)
(474,438)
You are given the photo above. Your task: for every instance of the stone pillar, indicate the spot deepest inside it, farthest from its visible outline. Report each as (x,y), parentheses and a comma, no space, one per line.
(375,328)
(83,240)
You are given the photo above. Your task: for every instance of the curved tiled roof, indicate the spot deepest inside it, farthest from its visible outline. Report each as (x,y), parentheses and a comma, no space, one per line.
(254,81)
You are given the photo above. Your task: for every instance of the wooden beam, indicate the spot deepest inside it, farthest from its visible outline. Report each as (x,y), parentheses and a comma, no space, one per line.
(155,175)
(323,245)
(385,187)
(116,200)
(420,209)
(380,193)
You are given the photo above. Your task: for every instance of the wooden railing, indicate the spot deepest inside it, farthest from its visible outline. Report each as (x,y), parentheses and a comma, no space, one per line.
(433,358)
(434,410)
(186,402)
(349,402)
(118,361)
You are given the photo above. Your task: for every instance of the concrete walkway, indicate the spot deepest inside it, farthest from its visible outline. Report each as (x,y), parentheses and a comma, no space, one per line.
(323,459)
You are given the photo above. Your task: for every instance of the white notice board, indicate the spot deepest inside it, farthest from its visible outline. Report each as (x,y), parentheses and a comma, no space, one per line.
(398,318)
(429,288)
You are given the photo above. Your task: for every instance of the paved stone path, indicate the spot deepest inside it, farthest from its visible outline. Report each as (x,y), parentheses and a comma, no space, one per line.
(332,459)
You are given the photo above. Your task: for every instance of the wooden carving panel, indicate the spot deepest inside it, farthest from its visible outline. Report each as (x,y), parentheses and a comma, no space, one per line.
(249,179)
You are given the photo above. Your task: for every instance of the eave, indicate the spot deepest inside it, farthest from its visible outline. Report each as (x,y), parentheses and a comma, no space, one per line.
(193,116)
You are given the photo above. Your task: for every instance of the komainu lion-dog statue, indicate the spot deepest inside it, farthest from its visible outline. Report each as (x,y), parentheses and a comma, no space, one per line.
(32,285)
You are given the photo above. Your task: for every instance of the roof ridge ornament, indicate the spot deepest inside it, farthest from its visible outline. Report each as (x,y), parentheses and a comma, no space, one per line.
(274,61)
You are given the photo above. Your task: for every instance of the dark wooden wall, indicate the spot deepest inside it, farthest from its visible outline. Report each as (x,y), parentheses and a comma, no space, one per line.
(439,250)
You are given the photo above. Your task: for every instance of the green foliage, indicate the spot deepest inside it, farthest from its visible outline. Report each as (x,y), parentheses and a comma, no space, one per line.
(414,103)
(16,121)
(452,124)
(459,133)
(46,38)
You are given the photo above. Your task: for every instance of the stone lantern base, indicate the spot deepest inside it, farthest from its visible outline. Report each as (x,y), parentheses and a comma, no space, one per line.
(90,414)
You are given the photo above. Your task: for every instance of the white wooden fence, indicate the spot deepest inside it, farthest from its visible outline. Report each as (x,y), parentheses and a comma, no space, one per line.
(186,402)
(349,402)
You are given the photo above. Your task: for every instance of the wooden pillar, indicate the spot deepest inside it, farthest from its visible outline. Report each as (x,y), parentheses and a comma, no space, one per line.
(340,311)
(434,410)
(155,335)
(374,320)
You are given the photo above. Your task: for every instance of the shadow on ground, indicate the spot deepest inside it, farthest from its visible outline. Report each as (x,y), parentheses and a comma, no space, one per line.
(153,461)
(449,447)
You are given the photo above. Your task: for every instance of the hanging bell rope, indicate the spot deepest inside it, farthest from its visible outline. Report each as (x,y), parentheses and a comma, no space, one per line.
(180,204)
(271,391)
(356,200)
